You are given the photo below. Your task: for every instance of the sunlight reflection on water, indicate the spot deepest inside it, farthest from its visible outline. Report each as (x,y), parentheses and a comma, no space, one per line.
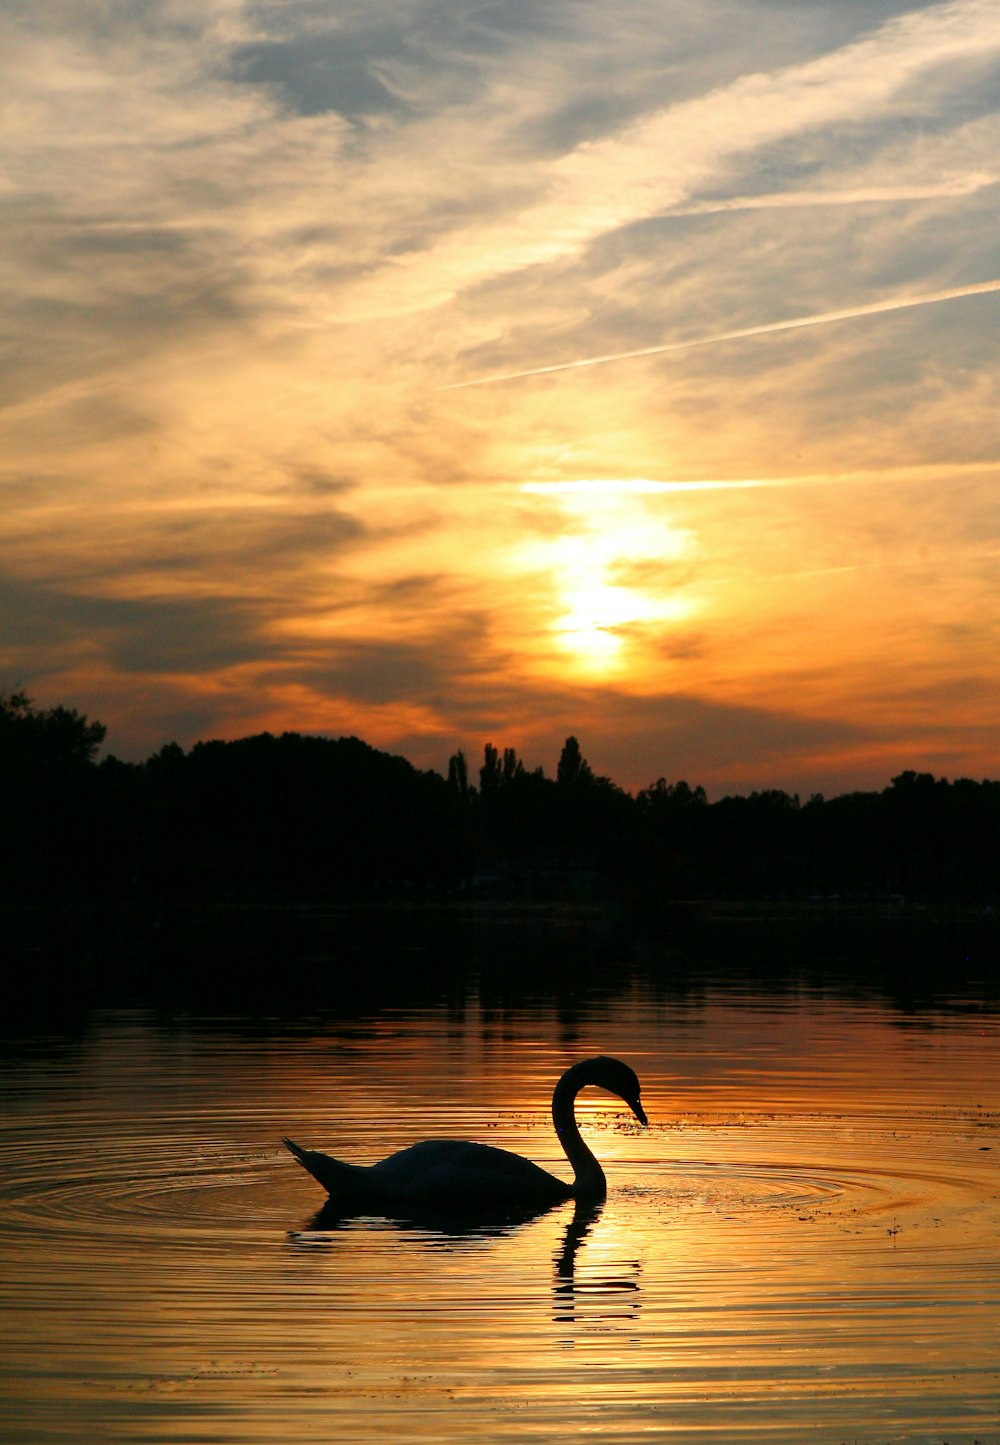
(803,1243)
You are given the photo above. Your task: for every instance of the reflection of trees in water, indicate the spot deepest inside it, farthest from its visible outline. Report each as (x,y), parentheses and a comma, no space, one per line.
(601,1299)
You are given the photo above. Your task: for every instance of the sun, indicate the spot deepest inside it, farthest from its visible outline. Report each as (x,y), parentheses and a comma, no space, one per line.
(611,583)
(592,626)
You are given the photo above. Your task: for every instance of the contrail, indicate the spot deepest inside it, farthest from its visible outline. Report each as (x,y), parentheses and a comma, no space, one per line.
(796,322)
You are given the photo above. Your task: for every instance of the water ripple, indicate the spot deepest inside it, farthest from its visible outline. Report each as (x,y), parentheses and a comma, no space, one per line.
(765,1272)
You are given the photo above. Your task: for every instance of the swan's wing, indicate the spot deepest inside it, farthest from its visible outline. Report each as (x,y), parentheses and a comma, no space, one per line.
(452,1169)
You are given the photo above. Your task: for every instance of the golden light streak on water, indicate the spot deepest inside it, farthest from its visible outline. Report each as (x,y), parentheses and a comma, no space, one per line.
(803,1243)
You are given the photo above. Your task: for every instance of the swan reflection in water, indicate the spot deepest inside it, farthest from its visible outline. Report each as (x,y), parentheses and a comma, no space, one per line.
(605,1297)
(456,1194)
(452,1173)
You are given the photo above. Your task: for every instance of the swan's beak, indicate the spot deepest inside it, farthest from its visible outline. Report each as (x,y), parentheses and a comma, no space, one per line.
(638,1111)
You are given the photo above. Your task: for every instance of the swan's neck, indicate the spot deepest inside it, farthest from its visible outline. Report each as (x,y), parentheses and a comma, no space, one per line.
(589,1182)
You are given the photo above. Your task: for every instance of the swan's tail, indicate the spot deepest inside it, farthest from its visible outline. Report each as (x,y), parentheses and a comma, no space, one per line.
(332,1174)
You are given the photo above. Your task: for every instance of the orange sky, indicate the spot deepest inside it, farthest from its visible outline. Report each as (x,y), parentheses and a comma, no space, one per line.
(253,253)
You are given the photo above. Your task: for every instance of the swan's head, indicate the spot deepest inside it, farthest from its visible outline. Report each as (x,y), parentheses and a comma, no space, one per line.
(617,1078)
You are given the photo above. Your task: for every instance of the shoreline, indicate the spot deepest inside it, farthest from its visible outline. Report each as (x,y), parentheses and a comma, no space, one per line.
(351,953)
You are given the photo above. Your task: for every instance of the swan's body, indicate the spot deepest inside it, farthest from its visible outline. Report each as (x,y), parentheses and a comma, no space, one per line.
(442,1171)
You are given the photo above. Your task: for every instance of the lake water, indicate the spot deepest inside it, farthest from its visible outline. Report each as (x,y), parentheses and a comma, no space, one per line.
(803,1244)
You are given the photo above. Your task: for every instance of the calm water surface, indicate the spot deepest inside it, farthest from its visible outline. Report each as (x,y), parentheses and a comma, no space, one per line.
(804,1244)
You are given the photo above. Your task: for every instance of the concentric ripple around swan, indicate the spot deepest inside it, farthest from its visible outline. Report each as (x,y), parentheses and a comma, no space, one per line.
(793,1266)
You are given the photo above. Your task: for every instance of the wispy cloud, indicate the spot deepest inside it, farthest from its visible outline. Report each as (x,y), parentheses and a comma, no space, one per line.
(247,245)
(929,189)
(586,487)
(658,162)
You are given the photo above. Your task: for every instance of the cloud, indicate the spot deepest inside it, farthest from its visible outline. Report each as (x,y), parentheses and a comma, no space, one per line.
(249,238)
(135,635)
(925,190)
(871,308)
(247,550)
(337,71)
(665,157)
(434,673)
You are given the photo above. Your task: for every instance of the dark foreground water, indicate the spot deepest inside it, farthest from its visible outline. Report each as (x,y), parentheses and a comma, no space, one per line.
(804,1244)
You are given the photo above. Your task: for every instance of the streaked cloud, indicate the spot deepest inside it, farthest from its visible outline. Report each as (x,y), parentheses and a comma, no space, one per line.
(795,323)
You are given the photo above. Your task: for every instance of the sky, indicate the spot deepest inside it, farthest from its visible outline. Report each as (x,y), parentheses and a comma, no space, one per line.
(295,434)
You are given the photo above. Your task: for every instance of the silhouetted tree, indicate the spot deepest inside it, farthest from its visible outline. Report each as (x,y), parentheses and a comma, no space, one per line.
(48,781)
(512,766)
(308,818)
(33,738)
(663,800)
(515,816)
(458,775)
(674,819)
(490,774)
(573,770)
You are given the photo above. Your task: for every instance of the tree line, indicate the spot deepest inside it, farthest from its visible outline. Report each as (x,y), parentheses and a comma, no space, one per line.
(295,817)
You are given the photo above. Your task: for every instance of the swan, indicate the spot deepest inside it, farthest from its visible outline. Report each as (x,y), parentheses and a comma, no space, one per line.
(441,1171)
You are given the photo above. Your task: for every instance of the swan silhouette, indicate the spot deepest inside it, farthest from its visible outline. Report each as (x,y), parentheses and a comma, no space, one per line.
(451,1171)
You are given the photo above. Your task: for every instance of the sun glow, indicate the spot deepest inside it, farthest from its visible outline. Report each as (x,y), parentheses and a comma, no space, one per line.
(612,583)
